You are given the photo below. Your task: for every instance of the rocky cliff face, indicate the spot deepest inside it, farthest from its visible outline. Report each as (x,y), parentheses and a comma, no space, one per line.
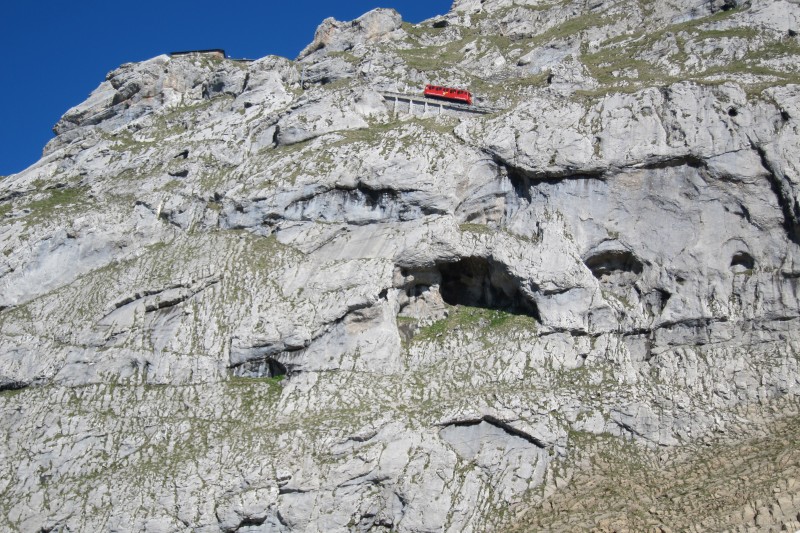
(256,296)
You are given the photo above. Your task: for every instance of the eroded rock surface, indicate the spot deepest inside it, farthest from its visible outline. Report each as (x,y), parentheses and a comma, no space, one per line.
(248,296)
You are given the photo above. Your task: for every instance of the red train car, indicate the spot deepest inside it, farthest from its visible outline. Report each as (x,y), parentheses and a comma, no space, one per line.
(448,93)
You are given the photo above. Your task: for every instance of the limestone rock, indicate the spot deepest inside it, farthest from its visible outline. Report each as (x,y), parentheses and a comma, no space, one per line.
(261,296)
(335,36)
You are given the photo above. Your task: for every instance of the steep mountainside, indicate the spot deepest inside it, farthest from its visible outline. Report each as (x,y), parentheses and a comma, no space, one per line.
(283,295)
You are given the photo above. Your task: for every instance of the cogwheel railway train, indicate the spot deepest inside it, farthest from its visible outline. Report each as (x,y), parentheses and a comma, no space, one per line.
(448,93)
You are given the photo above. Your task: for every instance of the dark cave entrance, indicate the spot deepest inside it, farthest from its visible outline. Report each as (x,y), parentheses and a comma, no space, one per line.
(480,282)
(614,261)
(276,368)
(261,368)
(742,262)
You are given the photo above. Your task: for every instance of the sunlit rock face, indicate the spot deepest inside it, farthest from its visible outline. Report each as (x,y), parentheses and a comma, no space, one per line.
(259,296)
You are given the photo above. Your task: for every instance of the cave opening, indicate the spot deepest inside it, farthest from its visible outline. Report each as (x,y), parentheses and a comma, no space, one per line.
(481,282)
(276,368)
(520,181)
(267,367)
(608,262)
(742,261)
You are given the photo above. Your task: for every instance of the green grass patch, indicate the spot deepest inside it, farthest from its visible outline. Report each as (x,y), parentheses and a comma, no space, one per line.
(375,133)
(730,33)
(463,317)
(347,56)
(574,26)
(253,393)
(624,53)
(59,198)
(269,380)
(419,30)
(512,89)
(434,58)
(57,202)
(11,393)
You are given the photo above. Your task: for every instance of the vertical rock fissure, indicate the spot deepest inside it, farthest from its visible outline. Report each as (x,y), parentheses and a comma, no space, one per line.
(789,208)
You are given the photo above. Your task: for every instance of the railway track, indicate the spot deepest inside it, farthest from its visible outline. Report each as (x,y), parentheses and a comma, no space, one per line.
(431,104)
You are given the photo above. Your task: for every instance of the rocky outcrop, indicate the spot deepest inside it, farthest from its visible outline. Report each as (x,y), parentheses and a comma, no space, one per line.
(255,296)
(336,36)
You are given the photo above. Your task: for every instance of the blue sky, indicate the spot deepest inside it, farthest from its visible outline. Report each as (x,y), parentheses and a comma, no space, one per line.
(57,52)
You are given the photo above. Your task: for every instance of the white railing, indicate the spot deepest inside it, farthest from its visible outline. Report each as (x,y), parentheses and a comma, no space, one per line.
(431,104)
